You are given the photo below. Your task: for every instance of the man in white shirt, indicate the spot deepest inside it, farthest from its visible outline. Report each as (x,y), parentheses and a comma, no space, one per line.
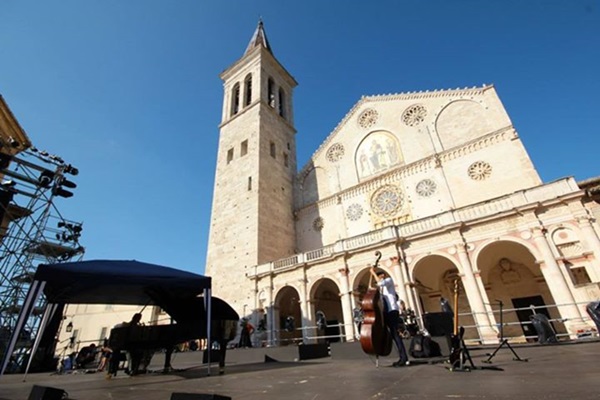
(391,312)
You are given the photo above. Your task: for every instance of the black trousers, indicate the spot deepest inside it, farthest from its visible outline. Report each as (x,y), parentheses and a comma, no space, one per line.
(392,321)
(113,363)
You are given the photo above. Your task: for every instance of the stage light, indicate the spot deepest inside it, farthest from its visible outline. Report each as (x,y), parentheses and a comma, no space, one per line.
(57,159)
(60,192)
(69,169)
(72,233)
(45,178)
(8,184)
(67,183)
(69,327)
(58,189)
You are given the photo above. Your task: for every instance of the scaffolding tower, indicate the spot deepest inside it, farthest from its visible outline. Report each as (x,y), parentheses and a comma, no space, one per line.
(32,232)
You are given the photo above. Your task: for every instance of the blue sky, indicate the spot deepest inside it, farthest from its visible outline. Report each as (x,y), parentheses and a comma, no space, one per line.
(128,91)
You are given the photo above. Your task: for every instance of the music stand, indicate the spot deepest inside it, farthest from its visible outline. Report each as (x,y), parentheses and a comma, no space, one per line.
(503,341)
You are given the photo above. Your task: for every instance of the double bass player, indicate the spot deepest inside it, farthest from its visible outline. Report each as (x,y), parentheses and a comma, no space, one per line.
(391,313)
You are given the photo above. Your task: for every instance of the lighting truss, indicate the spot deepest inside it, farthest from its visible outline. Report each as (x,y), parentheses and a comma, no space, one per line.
(32,232)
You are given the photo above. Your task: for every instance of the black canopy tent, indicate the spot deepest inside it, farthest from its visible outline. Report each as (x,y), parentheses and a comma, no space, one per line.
(111,282)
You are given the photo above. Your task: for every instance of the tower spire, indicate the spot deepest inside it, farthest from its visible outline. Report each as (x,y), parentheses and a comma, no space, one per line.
(258,39)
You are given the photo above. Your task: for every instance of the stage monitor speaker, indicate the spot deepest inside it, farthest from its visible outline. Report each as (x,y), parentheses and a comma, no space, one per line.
(46,393)
(439,323)
(310,351)
(198,396)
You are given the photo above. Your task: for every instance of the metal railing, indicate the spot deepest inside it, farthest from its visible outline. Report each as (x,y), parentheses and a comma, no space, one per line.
(472,331)
(521,338)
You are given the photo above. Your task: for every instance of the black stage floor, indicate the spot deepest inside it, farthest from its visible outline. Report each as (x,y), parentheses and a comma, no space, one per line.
(563,371)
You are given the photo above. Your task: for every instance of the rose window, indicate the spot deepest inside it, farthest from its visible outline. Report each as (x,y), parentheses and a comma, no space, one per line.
(335,152)
(414,115)
(426,188)
(387,201)
(354,212)
(368,118)
(318,224)
(480,170)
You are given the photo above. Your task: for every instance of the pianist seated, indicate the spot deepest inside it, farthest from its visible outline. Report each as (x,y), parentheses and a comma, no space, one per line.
(133,356)
(143,341)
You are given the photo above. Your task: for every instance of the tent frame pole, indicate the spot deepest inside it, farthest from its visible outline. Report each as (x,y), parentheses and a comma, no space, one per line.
(208,308)
(33,294)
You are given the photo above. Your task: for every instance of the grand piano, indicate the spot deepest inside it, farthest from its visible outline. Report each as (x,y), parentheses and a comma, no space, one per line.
(125,282)
(189,323)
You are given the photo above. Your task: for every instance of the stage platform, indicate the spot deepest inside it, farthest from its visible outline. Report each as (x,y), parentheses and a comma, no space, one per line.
(563,371)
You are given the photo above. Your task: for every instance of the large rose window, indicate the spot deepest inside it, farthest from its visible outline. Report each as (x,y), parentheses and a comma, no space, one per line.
(387,200)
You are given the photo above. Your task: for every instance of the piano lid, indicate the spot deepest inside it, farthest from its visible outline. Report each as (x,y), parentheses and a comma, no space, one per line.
(192,309)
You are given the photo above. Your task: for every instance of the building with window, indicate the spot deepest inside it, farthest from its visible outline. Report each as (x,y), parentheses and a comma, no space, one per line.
(437,181)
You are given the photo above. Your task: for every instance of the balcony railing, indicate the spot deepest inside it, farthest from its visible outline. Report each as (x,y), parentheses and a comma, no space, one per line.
(488,208)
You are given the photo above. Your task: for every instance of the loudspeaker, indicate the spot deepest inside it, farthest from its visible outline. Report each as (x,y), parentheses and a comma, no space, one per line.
(47,393)
(198,396)
(310,351)
(439,323)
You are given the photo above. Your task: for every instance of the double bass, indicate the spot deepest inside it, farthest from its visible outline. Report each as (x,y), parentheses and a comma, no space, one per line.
(375,338)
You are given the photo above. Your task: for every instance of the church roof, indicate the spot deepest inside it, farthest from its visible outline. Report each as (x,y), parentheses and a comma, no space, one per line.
(475,90)
(258,39)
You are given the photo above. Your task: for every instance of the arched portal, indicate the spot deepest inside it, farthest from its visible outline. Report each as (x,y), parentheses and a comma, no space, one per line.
(327,303)
(511,275)
(361,285)
(289,316)
(437,281)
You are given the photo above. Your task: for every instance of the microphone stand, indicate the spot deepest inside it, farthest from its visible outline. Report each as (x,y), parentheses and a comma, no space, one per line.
(503,341)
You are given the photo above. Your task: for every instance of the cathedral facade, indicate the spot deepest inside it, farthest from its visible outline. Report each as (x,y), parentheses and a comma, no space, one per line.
(438,182)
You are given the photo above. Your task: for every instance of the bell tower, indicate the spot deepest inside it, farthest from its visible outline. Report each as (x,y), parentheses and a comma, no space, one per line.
(252,218)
